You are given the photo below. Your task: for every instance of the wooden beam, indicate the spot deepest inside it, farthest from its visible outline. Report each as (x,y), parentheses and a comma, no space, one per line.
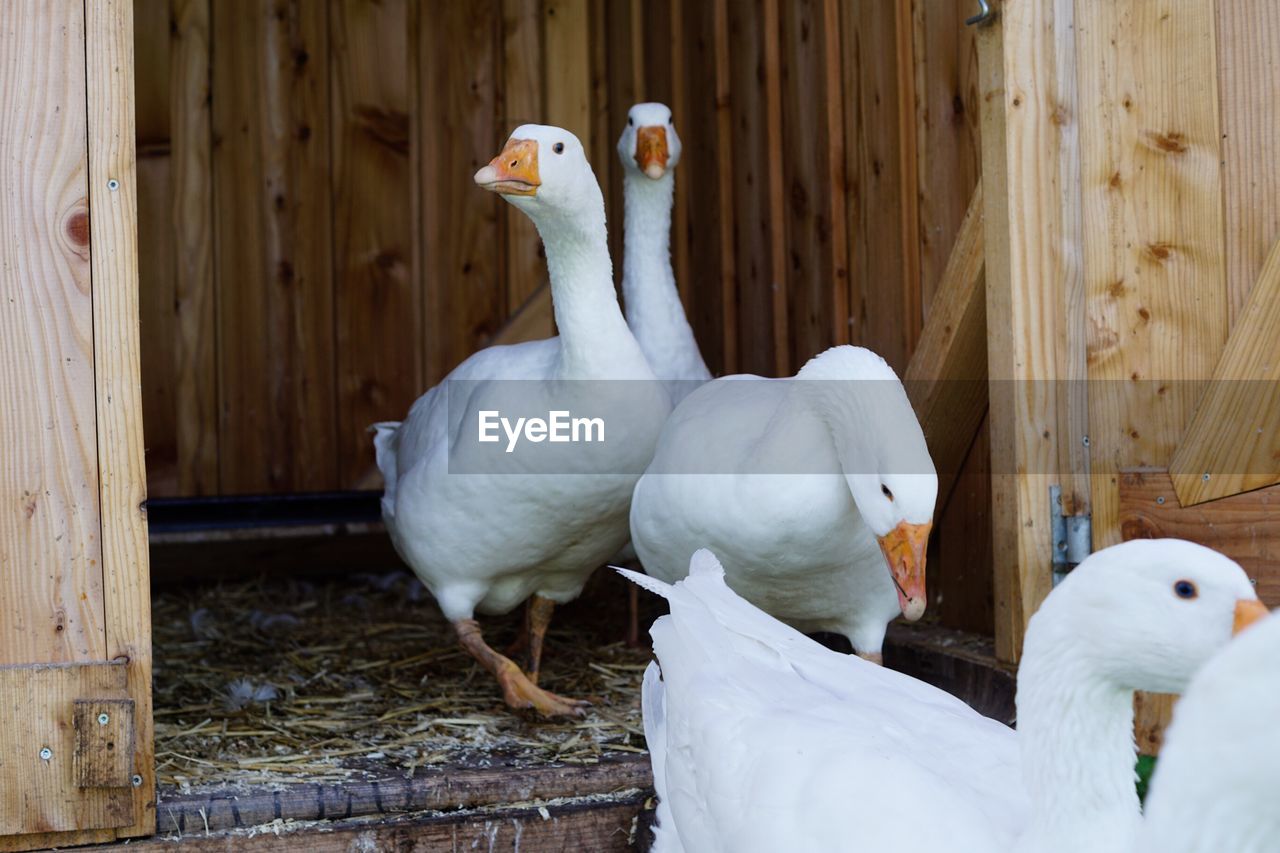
(1244,527)
(1233,443)
(117,377)
(946,378)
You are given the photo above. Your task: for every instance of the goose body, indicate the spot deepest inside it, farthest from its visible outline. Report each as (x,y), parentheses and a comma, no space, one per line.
(1218,775)
(763,740)
(804,488)
(486,541)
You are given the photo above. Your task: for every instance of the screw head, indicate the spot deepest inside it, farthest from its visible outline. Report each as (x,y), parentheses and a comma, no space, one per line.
(1205,477)
(113,185)
(1085,441)
(103,719)
(46,753)
(1160,500)
(137,781)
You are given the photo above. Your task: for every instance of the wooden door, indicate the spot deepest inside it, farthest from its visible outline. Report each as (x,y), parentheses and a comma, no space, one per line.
(75,747)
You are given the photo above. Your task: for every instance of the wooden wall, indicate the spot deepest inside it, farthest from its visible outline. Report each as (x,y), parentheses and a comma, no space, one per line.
(315,254)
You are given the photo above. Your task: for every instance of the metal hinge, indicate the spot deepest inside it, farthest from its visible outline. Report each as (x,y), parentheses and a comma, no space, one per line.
(1072,536)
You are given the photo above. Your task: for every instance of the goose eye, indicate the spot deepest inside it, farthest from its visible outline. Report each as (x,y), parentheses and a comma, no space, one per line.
(631,121)
(558,148)
(1185,589)
(888,494)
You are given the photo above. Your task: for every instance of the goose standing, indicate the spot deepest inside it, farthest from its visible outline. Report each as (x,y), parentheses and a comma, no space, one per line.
(649,150)
(805,488)
(1218,776)
(486,542)
(763,740)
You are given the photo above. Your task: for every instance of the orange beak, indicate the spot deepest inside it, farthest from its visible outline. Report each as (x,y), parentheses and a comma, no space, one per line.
(1248,611)
(651,151)
(514,171)
(904,550)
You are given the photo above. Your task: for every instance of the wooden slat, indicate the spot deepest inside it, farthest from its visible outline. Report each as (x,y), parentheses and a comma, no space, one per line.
(753,225)
(377,306)
(946,378)
(1233,443)
(623,74)
(948,145)
(192,233)
(777,187)
(1028,108)
(121,466)
(908,174)
(1248,78)
(1153,236)
(151,24)
(273,246)
(960,582)
(727,167)
(157,319)
(1244,527)
(873,164)
(680,110)
(39,795)
(457,91)
(816,259)
(567,71)
(525,269)
(51,596)
(103,743)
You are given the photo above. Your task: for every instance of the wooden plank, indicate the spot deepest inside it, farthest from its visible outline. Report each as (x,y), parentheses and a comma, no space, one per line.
(960,581)
(567,71)
(457,90)
(530,321)
(948,144)
(1248,77)
(51,596)
(1027,97)
(525,268)
(273,247)
(680,236)
(623,78)
(192,234)
(576,825)
(1244,527)
(1233,443)
(963,664)
(908,174)
(448,789)
(777,187)
(377,307)
(752,221)
(120,455)
(1153,235)
(104,748)
(873,166)
(151,52)
(40,792)
(727,167)
(946,378)
(817,259)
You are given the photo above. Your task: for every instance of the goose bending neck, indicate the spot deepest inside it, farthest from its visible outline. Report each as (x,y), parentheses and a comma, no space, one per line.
(594,339)
(654,310)
(1075,732)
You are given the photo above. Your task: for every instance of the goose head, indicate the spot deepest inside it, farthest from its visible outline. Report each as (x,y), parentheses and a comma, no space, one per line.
(649,144)
(543,170)
(1147,614)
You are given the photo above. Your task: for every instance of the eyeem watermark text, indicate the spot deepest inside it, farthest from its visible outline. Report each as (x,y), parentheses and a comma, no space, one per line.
(559,426)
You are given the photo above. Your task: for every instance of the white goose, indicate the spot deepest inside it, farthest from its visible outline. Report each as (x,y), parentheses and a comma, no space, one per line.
(1218,775)
(804,488)
(763,740)
(649,149)
(486,542)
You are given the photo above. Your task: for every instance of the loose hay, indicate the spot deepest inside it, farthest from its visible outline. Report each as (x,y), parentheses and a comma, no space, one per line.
(279,681)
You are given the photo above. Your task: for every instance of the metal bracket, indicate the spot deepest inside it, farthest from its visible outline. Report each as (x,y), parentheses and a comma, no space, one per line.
(1072,536)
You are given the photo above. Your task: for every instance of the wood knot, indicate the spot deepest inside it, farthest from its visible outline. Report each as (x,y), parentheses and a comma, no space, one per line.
(1157,252)
(1170,142)
(77,227)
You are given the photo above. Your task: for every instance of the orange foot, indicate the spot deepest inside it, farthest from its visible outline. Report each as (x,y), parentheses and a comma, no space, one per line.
(522,694)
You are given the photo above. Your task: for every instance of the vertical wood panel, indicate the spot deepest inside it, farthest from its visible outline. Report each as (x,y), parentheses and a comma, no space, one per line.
(273,246)
(624,87)
(873,167)
(117,374)
(725,180)
(457,115)
(960,578)
(777,187)
(909,188)
(948,152)
(192,231)
(1249,77)
(566,30)
(376,304)
(51,595)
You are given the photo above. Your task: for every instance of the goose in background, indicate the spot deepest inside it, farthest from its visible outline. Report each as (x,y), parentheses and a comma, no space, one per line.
(763,740)
(487,541)
(649,149)
(1218,777)
(817,494)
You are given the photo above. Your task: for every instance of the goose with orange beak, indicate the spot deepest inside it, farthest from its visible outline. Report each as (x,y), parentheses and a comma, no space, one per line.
(487,540)
(817,493)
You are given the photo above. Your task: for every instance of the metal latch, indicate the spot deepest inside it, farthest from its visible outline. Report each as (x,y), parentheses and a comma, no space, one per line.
(1072,536)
